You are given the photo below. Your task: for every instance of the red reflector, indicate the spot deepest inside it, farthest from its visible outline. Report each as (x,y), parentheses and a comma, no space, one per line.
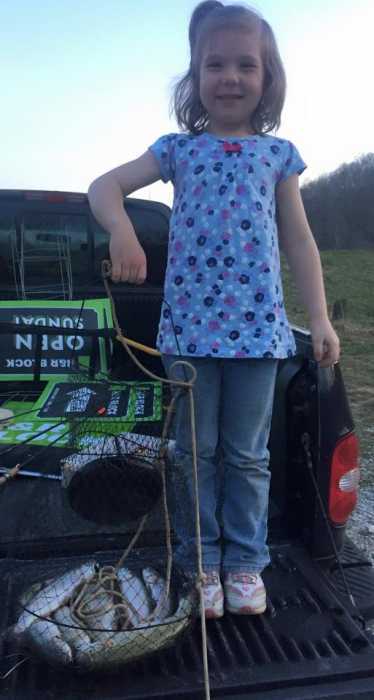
(55,197)
(46,196)
(344,479)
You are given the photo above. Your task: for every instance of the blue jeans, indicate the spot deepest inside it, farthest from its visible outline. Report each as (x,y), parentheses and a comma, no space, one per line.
(233,406)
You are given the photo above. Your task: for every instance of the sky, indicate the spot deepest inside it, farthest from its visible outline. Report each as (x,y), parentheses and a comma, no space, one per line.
(86,84)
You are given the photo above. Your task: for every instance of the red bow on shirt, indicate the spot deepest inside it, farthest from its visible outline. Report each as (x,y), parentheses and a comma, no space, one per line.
(232,147)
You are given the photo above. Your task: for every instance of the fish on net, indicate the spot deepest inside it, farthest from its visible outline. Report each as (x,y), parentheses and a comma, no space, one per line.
(97,617)
(100,615)
(103,613)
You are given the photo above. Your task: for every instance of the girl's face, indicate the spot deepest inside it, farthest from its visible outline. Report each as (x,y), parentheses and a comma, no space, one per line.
(231,80)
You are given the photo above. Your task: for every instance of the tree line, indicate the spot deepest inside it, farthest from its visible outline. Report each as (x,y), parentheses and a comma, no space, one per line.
(339,205)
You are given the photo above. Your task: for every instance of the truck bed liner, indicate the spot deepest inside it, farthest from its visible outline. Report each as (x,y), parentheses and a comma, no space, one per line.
(305,637)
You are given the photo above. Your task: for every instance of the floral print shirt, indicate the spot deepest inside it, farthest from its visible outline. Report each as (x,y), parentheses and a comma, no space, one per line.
(223,292)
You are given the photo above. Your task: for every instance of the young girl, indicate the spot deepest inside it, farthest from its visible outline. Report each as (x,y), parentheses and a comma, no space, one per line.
(236,187)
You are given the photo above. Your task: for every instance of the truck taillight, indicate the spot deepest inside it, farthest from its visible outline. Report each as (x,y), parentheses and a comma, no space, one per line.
(345,475)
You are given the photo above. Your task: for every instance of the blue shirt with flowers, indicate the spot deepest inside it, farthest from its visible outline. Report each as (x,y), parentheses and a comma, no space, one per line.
(223,292)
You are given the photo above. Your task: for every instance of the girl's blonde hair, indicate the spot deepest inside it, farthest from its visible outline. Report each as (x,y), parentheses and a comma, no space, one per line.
(210,16)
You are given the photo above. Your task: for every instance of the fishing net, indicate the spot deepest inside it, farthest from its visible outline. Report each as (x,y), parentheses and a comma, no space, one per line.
(111,475)
(98,455)
(97,616)
(111,479)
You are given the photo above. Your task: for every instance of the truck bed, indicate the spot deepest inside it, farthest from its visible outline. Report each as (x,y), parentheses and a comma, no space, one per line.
(306,639)
(310,634)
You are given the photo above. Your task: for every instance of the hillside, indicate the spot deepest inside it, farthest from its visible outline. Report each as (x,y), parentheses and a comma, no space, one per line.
(339,206)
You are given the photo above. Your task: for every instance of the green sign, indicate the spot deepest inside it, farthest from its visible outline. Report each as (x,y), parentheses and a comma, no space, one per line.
(88,409)
(106,401)
(24,425)
(62,355)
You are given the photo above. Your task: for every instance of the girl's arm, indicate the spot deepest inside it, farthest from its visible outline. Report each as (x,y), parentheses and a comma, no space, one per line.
(105,196)
(302,254)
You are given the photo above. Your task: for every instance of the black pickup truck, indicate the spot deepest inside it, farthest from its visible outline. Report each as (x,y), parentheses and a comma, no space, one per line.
(312,641)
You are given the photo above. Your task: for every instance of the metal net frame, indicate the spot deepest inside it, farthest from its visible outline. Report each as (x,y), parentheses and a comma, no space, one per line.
(97,616)
(25,257)
(101,615)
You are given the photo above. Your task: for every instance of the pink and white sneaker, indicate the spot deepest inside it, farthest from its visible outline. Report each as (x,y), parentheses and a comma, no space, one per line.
(213,595)
(245,593)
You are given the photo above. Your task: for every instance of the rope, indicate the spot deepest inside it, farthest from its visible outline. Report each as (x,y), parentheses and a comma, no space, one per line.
(200,581)
(106,271)
(103,582)
(132,543)
(105,579)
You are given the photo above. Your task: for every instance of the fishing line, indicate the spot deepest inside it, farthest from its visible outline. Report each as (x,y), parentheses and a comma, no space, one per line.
(106,269)
(44,449)
(160,460)
(13,471)
(175,337)
(305,439)
(76,327)
(164,301)
(10,419)
(33,437)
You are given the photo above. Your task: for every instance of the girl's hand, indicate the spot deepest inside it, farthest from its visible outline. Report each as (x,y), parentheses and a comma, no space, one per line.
(129,263)
(326,345)
(105,195)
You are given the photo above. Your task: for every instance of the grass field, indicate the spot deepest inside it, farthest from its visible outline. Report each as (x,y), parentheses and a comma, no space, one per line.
(349,279)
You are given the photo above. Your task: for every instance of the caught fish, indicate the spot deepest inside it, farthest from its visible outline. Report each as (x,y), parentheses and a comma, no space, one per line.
(29,594)
(156,587)
(46,639)
(125,646)
(70,631)
(135,596)
(52,596)
(100,618)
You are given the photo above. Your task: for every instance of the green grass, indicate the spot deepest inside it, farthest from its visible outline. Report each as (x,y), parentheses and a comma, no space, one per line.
(349,276)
